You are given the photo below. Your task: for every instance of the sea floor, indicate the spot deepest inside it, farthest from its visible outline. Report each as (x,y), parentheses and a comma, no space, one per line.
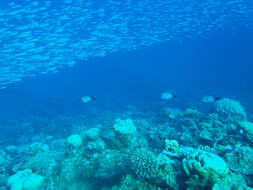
(131,149)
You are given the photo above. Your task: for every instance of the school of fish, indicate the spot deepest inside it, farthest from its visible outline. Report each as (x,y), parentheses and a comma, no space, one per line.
(42,37)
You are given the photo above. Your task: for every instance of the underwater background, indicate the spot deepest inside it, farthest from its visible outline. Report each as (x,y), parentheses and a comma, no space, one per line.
(125,54)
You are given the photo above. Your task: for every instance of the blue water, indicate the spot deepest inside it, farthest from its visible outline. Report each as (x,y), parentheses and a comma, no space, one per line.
(217,61)
(219,66)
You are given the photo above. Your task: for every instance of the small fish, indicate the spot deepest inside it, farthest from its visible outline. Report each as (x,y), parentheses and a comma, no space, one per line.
(209,99)
(167,96)
(86,99)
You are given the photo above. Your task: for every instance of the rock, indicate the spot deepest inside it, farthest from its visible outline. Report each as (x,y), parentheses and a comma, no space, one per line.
(91,134)
(124,126)
(25,180)
(74,141)
(230,110)
(205,169)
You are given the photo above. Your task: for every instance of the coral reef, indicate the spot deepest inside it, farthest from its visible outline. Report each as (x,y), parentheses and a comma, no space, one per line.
(204,169)
(174,150)
(230,110)
(25,180)
(130,182)
(124,126)
(155,169)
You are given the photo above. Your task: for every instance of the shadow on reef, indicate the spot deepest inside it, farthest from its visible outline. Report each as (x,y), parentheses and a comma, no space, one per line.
(186,149)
